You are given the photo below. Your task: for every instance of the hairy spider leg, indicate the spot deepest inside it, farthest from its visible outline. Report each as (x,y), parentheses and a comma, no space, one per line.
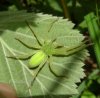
(33,33)
(84,42)
(52,24)
(38,71)
(52,71)
(70,51)
(30,47)
(21,56)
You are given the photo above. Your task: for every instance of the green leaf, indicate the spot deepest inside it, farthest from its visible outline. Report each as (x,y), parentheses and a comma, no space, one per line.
(54,5)
(94,32)
(88,94)
(16,72)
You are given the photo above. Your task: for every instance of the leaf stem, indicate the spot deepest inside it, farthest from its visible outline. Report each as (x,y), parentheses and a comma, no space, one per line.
(65,9)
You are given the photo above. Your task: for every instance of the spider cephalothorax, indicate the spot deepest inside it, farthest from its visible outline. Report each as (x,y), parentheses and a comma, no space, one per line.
(48,48)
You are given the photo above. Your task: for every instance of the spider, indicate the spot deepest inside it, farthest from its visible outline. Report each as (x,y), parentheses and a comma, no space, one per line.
(45,52)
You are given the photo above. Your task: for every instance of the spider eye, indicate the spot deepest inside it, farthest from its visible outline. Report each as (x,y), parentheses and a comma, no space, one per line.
(37,59)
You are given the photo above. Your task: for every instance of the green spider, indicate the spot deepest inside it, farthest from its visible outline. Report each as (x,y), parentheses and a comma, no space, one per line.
(46,51)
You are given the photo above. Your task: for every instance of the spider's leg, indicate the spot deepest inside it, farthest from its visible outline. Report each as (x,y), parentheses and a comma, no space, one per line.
(38,71)
(52,24)
(33,33)
(53,40)
(70,51)
(21,56)
(81,46)
(58,46)
(54,73)
(78,48)
(30,47)
(85,43)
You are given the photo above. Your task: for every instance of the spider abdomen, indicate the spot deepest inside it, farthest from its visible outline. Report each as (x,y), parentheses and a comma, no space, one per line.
(37,59)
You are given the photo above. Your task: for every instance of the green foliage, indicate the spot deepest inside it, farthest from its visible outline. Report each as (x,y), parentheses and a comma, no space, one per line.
(16,72)
(94,31)
(88,94)
(90,84)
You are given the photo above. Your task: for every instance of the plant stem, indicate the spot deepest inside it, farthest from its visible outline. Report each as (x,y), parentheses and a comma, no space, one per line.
(65,9)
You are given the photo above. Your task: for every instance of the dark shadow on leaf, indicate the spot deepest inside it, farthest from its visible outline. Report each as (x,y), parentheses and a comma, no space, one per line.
(14,20)
(55,86)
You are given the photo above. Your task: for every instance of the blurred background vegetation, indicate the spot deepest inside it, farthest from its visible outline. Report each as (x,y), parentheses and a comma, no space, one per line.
(86,15)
